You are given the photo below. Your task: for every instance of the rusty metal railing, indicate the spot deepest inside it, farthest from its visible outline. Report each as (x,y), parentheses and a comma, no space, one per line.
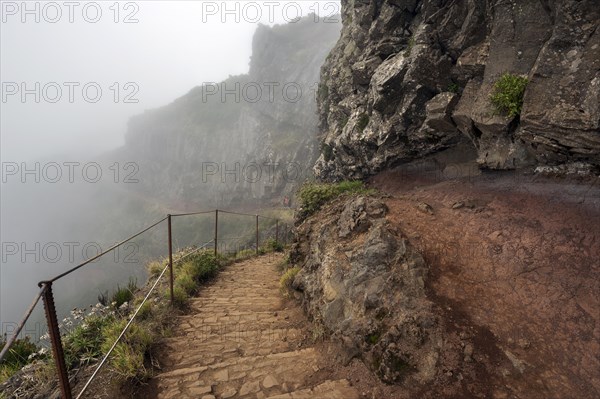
(47,296)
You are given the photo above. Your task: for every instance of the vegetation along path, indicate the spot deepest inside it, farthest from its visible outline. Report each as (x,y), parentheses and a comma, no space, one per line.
(239,340)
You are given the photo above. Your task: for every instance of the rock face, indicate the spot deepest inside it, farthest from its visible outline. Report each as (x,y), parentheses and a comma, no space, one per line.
(408,78)
(250,137)
(365,284)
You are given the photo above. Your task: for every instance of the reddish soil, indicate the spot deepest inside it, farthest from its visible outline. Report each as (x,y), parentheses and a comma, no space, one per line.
(514,263)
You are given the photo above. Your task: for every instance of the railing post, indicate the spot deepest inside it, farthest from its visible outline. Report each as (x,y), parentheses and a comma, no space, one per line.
(171,277)
(57,348)
(277,231)
(257,234)
(217,231)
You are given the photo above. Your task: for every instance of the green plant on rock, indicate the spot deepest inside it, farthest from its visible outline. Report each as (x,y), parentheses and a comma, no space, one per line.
(363,121)
(409,46)
(507,94)
(453,87)
(327,152)
(285,283)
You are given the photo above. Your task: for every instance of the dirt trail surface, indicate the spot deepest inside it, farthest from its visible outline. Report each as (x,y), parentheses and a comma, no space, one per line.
(517,258)
(239,340)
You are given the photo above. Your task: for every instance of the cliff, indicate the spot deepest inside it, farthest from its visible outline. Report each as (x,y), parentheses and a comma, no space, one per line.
(408,78)
(249,138)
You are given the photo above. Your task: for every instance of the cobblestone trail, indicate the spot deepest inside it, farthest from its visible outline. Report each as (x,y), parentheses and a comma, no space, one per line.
(240,341)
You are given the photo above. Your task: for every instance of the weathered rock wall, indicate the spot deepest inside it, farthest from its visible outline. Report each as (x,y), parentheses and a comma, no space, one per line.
(364,283)
(408,78)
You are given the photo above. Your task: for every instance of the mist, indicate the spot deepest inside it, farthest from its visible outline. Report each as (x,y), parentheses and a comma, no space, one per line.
(69,89)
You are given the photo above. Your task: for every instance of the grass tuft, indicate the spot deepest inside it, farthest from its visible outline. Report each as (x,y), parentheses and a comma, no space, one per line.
(285,283)
(314,195)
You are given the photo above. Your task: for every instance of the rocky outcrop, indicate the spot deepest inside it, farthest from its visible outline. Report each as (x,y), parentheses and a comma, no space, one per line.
(408,78)
(366,285)
(249,138)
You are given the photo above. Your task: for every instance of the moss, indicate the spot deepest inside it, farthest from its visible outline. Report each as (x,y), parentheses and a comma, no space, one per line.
(409,46)
(363,121)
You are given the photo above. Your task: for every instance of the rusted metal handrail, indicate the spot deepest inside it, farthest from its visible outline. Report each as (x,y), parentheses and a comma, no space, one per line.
(107,251)
(192,213)
(20,326)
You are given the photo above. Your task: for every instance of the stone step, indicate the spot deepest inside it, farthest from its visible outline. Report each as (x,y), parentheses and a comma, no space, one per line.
(244,377)
(224,321)
(217,348)
(328,390)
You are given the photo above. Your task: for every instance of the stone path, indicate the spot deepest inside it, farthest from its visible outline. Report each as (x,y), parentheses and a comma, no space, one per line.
(240,341)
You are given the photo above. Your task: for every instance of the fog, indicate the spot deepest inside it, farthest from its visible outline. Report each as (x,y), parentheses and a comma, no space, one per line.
(72,76)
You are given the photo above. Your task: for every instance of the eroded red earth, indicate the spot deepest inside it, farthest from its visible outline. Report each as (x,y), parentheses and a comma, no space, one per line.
(517,257)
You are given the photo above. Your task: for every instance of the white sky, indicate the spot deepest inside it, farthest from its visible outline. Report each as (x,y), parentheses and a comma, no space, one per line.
(174,46)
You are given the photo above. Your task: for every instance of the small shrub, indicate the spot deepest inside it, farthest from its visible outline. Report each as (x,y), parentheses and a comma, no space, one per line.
(103,298)
(155,268)
(83,344)
(453,87)
(285,283)
(507,94)
(180,297)
(186,282)
(372,339)
(327,152)
(284,264)
(363,121)
(272,245)
(145,311)
(323,91)
(124,294)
